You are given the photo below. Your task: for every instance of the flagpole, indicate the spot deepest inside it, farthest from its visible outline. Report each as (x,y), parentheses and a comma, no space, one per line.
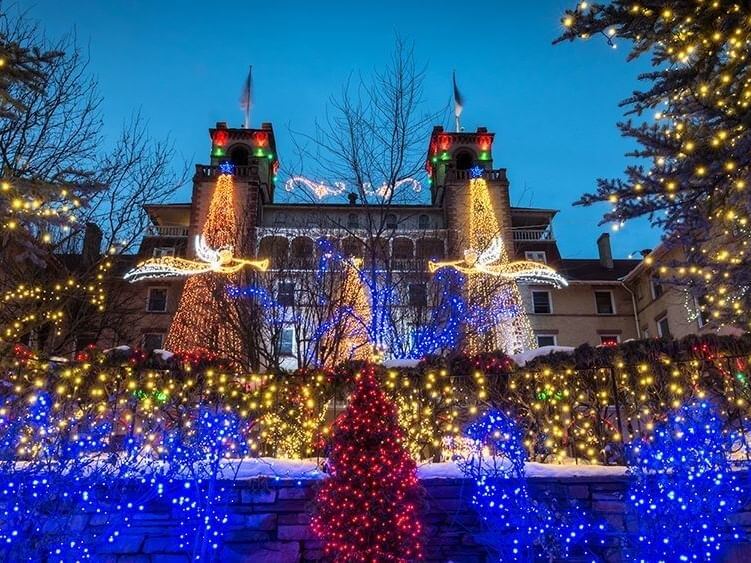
(247,97)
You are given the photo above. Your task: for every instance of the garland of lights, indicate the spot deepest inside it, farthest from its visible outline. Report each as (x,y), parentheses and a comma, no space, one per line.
(322,190)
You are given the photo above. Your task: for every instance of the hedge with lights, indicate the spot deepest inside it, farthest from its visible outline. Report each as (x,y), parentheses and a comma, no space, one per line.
(582,405)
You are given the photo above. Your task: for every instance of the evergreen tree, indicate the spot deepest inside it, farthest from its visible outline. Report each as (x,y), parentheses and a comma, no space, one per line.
(367,509)
(696,180)
(683,488)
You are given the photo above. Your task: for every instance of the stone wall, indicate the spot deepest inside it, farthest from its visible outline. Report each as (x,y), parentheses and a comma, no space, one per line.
(269,522)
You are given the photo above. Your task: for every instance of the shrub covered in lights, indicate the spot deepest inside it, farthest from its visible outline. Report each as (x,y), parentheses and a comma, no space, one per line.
(367,510)
(518,527)
(683,489)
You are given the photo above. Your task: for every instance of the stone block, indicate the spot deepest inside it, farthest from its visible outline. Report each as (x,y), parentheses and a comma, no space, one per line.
(609,507)
(262,521)
(161,544)
(245,535)
(295,493)
(249,496)
(266,552)
(295,518)
(578,491)
(295,533)
(133,559)
(444,491)
(123,543)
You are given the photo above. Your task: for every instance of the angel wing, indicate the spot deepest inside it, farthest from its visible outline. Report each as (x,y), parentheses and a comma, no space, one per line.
(525,270)
(167,266)
(205,252)
(492,253)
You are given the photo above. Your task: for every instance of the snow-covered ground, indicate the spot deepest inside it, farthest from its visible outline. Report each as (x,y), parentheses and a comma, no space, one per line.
(309,469)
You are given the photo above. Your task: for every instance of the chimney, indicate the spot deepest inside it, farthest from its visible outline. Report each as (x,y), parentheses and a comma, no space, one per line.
(352,197)
(603,247)
(92,244)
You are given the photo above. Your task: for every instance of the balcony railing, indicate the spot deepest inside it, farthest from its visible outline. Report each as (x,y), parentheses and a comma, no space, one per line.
(533,235)
(499,174)
(207,171)
(167,231)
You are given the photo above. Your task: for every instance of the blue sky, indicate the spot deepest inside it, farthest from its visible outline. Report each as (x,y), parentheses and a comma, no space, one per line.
(553,109)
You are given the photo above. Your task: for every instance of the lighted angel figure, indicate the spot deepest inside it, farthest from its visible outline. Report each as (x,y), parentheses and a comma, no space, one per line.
(489,262)
(220,260)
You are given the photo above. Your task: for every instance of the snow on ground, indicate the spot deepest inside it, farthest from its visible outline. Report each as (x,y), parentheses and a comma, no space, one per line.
(400,363)
(523,358)
(309,469)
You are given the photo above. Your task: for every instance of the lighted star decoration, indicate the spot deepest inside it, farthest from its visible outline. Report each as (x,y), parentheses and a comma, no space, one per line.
(476,171)
(489,262)
(226,167)
(219,260)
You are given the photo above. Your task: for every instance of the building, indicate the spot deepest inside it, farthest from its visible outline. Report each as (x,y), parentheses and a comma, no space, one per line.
(606,301)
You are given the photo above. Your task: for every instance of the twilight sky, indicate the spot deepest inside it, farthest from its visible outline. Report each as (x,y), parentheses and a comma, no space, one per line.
(553,109)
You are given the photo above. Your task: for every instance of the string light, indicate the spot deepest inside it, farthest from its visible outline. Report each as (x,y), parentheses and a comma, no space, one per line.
(322,190)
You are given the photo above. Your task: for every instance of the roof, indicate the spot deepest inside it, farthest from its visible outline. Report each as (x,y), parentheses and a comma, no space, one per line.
(590,269)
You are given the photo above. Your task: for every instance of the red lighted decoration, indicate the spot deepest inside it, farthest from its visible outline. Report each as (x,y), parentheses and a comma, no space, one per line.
(260,138)
(485,142)
(444,142)
(367,510)
(220,138)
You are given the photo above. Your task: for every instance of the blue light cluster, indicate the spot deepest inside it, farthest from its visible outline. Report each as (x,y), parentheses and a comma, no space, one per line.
(683,488)
(69,484)
(519,527)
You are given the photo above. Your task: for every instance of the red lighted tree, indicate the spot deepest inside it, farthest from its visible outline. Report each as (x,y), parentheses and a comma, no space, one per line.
(367,509)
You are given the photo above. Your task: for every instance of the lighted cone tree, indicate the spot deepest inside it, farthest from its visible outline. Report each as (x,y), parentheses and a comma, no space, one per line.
(201,320)
(367,510)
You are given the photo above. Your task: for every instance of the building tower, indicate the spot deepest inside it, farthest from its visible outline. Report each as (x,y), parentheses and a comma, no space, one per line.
(475,198)
(228,196)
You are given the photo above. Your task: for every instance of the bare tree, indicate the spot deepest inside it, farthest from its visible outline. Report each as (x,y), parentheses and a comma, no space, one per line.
(54,289)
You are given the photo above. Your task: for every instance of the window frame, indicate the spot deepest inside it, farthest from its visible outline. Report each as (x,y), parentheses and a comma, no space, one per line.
(423,222)
(654,283)
(660,332)
(162,254)
(605,335)
(553,336)
(166,299)
(529,255)
(162,338)
(279,293)
(353,221)
(424,295)
(549,299)
(288,329)
(612,302)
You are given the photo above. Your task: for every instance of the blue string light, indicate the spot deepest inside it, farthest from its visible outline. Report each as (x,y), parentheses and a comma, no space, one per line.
(683,488)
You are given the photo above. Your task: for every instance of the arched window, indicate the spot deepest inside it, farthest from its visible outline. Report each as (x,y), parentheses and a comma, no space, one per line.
(275,249)
(239,155)
(464,160)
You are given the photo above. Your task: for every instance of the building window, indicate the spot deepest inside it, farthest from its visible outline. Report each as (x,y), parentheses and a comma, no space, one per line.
(702,315)
(156,301)
(285,294)
(663,328)
(656,286)
(609,339)
(604,302)
(162,251)
(536,256)
(546,340)
(541,304)
(423,222)
(153,341)
(353,221)
(391,221)
(645,332)
(418,295)
(286,341)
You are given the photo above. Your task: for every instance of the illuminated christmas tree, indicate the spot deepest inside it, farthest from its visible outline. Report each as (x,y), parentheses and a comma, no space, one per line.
(367,510)
(204,318)
(695,138)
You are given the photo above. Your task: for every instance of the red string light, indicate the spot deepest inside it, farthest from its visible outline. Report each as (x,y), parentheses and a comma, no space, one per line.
(368,508)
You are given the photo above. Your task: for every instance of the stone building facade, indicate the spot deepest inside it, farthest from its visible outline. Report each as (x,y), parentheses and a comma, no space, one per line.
(607,300)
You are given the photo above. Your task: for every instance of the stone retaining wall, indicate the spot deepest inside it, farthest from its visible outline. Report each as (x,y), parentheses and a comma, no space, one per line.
(269,522)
